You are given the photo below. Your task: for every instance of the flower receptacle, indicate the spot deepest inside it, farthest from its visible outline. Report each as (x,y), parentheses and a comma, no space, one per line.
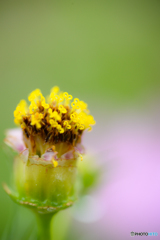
(38,184)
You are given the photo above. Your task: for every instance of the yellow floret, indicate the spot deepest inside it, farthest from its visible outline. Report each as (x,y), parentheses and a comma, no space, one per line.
(20,111)
(55,89)
(53,123)
(32,107)
(36,119)
(68,126)
(54,115)
(61,130)
(55,163)
(83,105)
(35,94)
(65,123)
(81,157)
(62,109)
(43,102)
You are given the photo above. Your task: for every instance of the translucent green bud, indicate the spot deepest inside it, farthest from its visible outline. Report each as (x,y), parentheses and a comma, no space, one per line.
(40,185)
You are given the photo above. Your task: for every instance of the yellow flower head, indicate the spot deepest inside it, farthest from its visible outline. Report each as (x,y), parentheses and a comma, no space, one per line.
(54,120)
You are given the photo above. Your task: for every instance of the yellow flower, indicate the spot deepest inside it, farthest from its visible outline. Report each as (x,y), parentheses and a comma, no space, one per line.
(49,147)
(52,121)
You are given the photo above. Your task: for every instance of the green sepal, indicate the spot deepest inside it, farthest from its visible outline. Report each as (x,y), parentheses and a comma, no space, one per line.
(37,206)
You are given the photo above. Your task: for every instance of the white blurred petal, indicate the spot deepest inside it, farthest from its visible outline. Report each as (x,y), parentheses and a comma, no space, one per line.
(68,155)
(48,156)
(14,139)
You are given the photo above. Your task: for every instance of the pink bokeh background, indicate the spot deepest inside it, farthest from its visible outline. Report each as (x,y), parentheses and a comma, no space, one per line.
(128,198)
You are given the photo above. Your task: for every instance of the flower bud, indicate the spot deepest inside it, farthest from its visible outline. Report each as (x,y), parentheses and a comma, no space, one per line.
(48,145)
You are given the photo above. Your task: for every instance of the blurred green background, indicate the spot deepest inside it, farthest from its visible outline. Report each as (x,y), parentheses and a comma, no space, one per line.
(103,52)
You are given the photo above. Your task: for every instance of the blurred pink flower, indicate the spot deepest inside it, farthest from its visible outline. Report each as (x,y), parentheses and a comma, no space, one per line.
(129,197)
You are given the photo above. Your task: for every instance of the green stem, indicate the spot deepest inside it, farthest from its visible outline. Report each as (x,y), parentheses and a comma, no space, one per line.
(44,222)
